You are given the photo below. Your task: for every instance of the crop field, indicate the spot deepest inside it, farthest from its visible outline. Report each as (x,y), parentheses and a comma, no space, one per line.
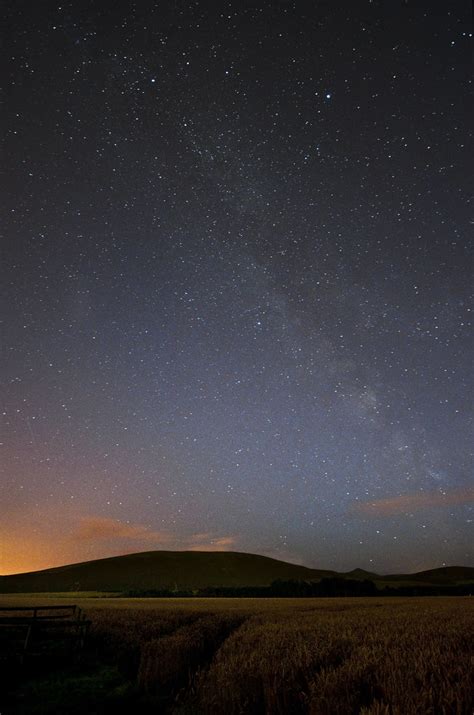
(237,656)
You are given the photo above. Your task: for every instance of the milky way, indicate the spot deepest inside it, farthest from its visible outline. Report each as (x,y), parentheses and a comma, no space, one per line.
(237,277)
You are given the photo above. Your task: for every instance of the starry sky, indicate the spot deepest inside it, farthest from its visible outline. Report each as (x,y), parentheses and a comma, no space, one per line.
(236,276)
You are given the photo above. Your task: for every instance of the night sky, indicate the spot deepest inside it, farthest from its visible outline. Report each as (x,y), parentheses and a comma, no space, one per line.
(236,277)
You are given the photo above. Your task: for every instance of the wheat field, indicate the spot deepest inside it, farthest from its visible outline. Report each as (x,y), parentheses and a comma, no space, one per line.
(320,656)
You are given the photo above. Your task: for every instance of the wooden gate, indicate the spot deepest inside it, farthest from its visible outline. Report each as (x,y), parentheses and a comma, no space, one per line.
(41,631)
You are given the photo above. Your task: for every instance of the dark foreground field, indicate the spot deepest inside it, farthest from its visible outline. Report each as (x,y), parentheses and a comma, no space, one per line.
(238,656)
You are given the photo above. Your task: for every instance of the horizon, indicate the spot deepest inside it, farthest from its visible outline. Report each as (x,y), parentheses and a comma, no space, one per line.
(237,282)
(231,551)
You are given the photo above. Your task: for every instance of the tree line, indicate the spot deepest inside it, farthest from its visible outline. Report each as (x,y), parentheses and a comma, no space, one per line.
(332,587)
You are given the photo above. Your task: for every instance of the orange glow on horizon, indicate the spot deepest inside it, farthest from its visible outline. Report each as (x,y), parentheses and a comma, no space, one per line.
(94,537)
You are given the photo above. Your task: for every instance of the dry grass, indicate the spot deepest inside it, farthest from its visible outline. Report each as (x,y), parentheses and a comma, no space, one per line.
(169,663)
(122,636)
(412,657)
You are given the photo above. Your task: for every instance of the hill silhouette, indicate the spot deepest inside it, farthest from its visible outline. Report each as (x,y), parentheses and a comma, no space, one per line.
(445,575)
(180,570)
(161,570)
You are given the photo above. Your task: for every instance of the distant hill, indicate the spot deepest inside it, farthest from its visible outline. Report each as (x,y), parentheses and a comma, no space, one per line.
(161,570)
(446,575)
(360,574)
(179,570)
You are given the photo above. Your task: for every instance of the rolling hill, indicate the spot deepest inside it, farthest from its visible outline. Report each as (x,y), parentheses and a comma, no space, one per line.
(160,570)
(181,570)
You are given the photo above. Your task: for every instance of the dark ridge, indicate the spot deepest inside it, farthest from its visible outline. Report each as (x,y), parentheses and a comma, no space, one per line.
(194,570)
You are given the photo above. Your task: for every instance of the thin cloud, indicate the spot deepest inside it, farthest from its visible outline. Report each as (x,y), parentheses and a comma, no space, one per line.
(98,528)
(221,543)
(407,503)
(204,536)
(101,529)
